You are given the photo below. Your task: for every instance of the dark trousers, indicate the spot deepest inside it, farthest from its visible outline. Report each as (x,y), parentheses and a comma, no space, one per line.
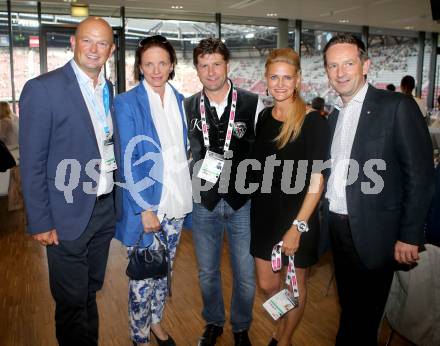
(362,292)
(76,272)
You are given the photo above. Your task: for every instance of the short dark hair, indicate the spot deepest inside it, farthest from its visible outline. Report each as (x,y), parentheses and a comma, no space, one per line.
(147,43)
(407,84)
(318,103)
(210,46)
(350,39)
(391,87)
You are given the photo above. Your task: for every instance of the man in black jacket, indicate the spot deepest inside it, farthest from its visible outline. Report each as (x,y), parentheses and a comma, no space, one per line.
(378,191)
(221,122)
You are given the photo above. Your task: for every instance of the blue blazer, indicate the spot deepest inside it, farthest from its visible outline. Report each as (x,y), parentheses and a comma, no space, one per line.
(55,125)
(141,162)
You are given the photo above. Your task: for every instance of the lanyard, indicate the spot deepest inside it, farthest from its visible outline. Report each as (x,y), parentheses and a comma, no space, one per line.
(230,122)
(98,110)
(291,274)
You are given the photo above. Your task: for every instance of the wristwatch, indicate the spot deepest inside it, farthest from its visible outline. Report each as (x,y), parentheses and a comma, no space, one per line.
(301,225)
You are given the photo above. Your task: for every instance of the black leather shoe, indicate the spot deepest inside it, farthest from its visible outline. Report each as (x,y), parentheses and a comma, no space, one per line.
(242,339)
(273,342)
(210,335)
(167,342)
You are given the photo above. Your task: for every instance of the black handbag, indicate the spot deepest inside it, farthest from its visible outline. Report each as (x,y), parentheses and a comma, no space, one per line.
(7,161)
(147,263)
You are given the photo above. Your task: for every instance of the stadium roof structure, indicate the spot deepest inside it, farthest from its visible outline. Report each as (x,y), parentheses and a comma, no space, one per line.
(237,37)
(412,15)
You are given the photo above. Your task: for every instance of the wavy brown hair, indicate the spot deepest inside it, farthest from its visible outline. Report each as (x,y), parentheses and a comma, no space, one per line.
(5,110)
(291,127)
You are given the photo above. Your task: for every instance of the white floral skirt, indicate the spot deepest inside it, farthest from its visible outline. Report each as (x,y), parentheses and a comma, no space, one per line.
(146,298)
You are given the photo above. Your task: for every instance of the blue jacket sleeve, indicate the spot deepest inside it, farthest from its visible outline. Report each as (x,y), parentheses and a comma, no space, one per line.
(148,197)
(34,142)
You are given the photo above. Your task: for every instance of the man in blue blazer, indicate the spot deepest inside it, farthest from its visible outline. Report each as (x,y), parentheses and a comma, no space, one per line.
(378,203)
(67,168)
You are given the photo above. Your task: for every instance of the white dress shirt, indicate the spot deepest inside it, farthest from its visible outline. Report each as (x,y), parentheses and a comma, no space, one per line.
(342,144)
(176,198)
(105,183)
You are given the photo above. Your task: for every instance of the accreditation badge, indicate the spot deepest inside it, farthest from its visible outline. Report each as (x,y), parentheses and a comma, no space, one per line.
(211,167)
(279,304)
(283,301)
(109,155)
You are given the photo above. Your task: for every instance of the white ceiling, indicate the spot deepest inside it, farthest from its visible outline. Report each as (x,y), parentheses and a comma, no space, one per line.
(413,15)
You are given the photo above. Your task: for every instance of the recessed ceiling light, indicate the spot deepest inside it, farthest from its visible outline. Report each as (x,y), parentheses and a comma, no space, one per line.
(70,1)
(272,14)
(344,21)
(79,10)
(176,7)
(409,27)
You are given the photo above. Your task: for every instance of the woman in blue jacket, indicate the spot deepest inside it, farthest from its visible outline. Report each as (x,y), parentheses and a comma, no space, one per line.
(156,181)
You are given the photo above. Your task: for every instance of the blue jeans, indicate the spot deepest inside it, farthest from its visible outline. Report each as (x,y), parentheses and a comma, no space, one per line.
(208,229)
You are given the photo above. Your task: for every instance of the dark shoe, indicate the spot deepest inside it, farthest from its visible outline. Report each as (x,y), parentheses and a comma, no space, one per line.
(211,333)
(242,339)
(273,342)
(167,342)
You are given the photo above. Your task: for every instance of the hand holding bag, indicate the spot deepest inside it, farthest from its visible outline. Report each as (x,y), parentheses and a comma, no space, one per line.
(148,263)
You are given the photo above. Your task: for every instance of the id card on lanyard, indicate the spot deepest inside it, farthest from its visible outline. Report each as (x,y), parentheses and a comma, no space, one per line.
(108,152)
(213,163)
(284,300)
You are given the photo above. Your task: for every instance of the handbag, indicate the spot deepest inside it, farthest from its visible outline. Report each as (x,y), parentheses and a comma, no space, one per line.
(7,161)
(148,263)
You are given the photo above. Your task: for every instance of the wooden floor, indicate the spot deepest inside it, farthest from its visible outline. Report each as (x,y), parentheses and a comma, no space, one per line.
(26,306)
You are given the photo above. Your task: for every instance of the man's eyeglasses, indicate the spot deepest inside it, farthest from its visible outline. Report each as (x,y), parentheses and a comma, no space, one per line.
(155,38)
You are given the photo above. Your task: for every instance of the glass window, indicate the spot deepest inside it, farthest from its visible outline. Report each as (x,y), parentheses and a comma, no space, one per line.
(249,46)
(26,49)
(5,74)
(183,35)
(392,57)
(314,77)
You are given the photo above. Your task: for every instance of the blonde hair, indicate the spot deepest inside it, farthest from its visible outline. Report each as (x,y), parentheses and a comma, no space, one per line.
(296,114)
(5,110)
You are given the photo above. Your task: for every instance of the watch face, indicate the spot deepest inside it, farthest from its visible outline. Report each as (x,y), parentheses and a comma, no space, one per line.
(302,226)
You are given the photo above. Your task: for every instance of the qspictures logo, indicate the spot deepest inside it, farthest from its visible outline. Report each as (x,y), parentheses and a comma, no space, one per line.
(68,172)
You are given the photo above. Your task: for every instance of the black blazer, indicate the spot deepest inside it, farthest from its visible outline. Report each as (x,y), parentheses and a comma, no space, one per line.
(391,128)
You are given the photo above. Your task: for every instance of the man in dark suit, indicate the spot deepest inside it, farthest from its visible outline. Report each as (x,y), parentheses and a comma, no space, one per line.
(378,191)
(67,167)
